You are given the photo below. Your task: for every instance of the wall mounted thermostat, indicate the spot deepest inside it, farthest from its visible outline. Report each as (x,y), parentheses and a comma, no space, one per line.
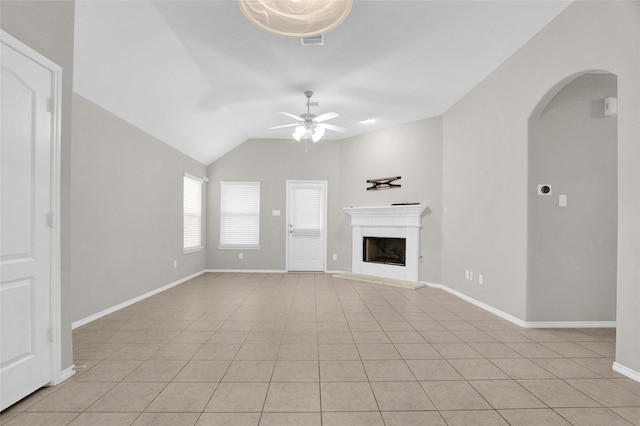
(544,189)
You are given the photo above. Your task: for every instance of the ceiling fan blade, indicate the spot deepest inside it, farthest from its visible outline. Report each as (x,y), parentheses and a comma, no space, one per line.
(295,117)
(326,116)
(332,127)
(283,126)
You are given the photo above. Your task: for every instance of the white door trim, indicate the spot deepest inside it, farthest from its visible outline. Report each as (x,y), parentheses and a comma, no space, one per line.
(325,185)
(57,375)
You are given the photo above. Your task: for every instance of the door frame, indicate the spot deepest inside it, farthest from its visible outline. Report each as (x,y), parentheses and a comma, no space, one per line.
(55,322)
(325,185)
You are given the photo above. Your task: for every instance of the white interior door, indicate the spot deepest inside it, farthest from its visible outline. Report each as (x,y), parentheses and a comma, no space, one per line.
(25,219)
(306,219)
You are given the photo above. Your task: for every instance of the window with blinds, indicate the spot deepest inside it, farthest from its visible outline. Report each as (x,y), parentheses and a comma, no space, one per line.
(192,213)
(307,212)
(239,214)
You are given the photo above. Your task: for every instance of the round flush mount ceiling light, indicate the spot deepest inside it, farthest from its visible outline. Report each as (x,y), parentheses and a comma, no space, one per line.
(296,18)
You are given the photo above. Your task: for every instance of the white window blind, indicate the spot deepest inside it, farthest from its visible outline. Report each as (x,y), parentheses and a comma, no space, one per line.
(307,214)
(192,213)
(240,214)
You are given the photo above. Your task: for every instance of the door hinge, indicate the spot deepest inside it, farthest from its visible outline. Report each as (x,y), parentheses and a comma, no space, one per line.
(51,335)
(52,220)
(50,105)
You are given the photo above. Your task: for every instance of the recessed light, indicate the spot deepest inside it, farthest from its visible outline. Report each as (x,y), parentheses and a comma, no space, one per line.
(367,121)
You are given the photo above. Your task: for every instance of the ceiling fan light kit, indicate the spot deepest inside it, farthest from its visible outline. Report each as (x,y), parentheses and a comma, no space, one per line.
(314,134)
(310,126)
(296,18)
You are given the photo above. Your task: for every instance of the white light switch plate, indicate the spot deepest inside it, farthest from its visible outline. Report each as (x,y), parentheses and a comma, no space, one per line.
(562,200)
(275,212)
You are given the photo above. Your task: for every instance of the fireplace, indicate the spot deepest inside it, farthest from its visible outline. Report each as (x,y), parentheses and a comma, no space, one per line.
(386,241)
(388,251)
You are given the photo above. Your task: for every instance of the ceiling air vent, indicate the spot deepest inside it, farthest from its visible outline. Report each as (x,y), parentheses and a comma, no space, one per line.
(313,41)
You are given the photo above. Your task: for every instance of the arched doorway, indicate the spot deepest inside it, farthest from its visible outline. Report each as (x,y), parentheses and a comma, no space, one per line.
(572,228)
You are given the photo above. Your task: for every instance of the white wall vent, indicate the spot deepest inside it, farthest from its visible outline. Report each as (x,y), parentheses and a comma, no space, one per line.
(313,41)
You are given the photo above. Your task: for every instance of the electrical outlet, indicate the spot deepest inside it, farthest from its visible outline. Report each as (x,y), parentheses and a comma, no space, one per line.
(175,264)
(240,256)
(470,275)
(335,256)
(466,275)
(480,279)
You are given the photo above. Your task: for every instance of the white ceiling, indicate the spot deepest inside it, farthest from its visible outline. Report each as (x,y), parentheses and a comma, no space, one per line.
(198,76)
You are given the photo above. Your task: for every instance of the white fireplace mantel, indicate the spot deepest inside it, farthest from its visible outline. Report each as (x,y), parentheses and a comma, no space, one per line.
(401,215)
(401,221)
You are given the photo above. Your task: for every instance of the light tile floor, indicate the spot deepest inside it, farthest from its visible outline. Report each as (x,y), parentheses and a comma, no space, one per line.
(310,349)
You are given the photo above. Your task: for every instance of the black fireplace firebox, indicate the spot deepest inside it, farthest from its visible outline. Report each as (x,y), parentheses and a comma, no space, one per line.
(390,251)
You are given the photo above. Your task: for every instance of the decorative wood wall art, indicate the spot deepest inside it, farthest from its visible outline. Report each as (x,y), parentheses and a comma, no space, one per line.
(384,183)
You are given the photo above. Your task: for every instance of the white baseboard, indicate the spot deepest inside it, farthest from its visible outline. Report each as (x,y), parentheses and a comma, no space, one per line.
(526,324)
(249,271)
(64,375)
(480,304)
(129,302)
(632,374)
(268,271)
(570,324)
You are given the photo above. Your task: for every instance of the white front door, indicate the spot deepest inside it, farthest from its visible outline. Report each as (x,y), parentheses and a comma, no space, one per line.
(26,235)
(306,219)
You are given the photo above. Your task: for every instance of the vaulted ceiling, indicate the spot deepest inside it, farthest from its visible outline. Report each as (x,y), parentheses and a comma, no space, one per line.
(198,76)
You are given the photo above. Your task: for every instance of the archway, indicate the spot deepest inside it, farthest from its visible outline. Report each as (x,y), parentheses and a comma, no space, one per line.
(572,248)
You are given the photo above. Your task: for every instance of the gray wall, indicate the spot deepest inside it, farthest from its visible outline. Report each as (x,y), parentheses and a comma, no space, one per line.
(572,250)
(126,211)
(413,151)
(485,185)
(47,26)
(273,162)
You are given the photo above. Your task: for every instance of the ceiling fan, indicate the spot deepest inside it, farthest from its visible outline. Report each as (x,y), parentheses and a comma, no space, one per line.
(311,126)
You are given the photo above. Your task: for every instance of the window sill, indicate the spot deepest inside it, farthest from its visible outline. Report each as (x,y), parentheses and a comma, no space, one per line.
(239,247)
(192,250)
